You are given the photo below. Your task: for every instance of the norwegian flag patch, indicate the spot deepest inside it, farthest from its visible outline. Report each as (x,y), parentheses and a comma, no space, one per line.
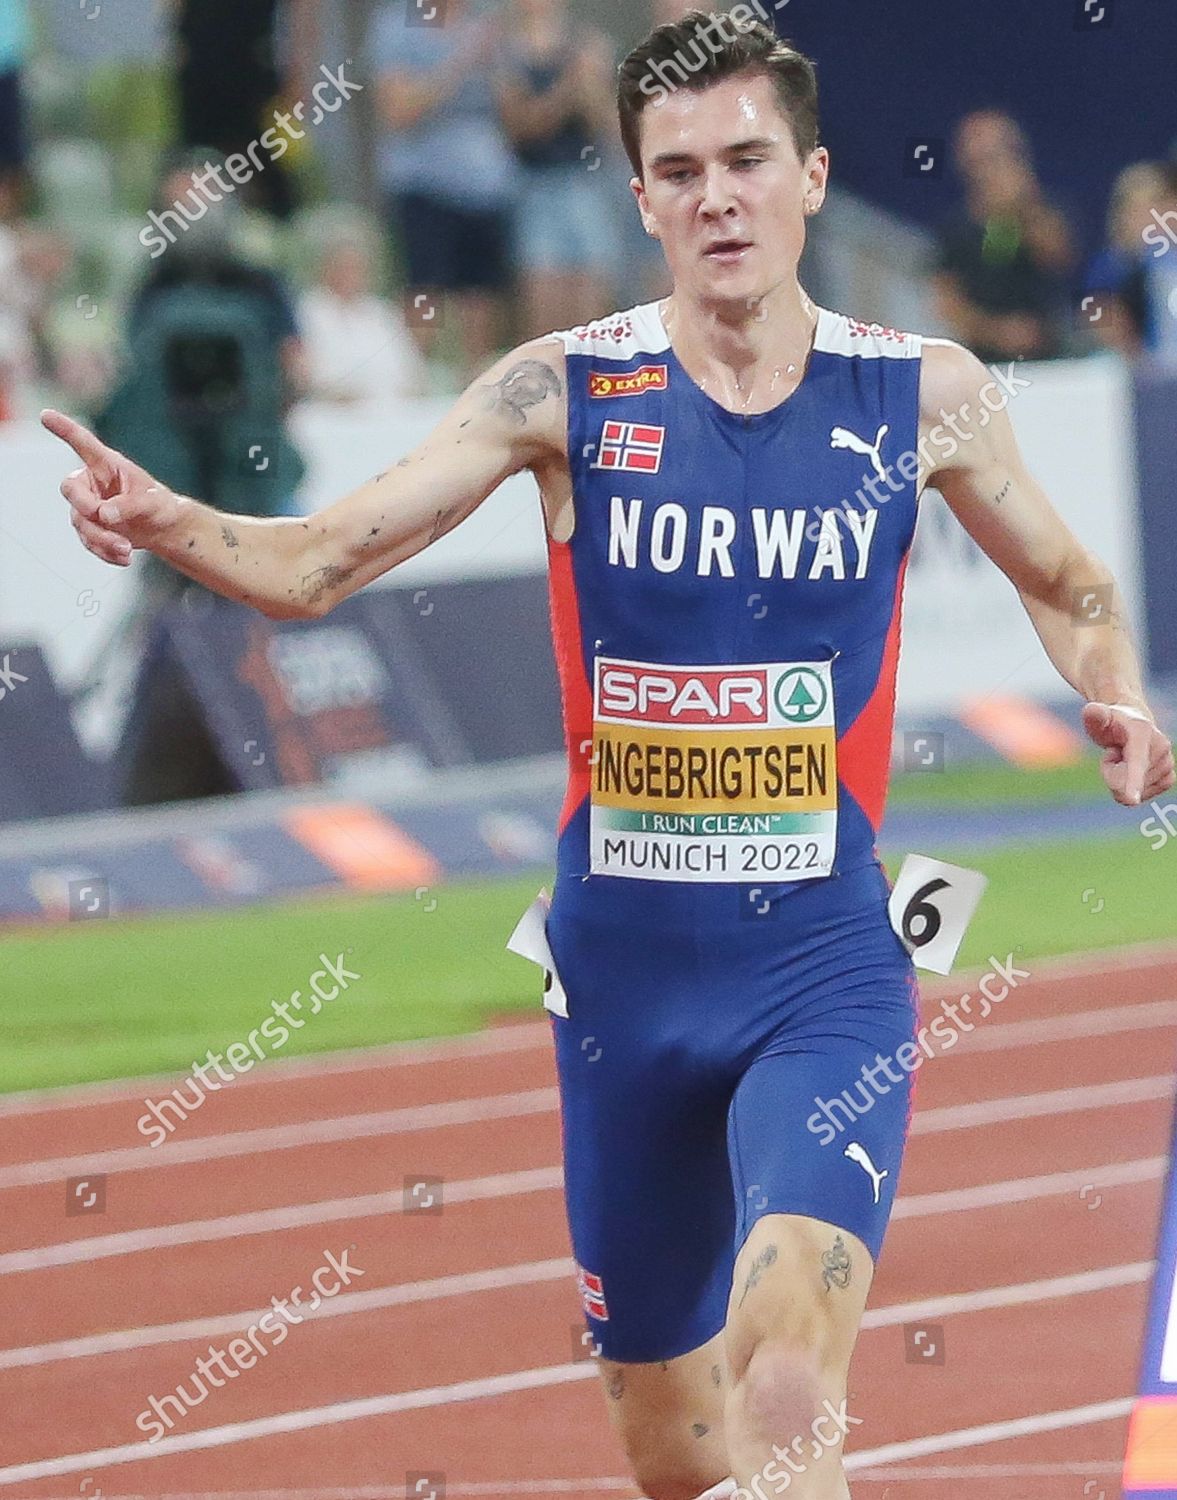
(592,1294)
(636,446)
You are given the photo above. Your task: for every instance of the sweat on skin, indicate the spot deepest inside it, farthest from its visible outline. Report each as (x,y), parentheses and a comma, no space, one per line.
(241,1056)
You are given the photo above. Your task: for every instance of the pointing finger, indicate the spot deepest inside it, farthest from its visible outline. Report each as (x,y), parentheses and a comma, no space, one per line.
(93,453)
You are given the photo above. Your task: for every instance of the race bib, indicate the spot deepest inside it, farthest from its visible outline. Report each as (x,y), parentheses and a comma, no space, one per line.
(724,773)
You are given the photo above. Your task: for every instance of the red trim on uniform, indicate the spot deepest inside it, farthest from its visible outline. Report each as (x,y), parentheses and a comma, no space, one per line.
(864,751)
(575,691)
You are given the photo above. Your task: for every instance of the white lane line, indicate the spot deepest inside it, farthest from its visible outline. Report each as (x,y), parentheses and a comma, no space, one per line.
(523,1036)
(179,1152)
(501,1385)
(1135,1273)
(1025,1189)
(1150,1015)
(1095,1469)
(269,1220)
(612,1484)
(510,1184)
(991,1432)
(418,1117)
(492,1487)
(1038,1106)
(532,1273)
(301,1421)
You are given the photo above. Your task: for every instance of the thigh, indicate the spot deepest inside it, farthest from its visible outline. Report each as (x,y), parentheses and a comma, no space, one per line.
(644,1125)
(818,1123)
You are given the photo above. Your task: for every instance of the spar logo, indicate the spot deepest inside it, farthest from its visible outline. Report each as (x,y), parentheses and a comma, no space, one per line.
(683,695)
(629,383)
(800,696)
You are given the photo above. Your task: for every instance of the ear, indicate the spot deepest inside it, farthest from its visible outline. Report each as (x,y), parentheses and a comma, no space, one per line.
(639,192)
(817,176)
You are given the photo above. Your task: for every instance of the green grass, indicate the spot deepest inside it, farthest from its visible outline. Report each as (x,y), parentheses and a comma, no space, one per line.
(113,1000)
(997,782)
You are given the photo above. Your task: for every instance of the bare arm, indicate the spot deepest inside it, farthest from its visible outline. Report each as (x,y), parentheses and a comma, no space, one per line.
(514,418)
(1069,594)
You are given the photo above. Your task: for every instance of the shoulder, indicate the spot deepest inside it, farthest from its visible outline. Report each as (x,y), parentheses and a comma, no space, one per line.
(951,376)
(621,336)
(839,333)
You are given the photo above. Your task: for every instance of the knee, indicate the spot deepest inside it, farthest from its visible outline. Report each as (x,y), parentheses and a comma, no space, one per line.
(781,1389)
(665,1482)
(667,1473)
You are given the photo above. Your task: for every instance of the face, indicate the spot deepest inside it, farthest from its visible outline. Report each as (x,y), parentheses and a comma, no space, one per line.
(724,189)
(991,155)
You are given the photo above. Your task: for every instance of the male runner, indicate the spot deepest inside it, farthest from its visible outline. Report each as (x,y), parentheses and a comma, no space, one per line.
(727,642)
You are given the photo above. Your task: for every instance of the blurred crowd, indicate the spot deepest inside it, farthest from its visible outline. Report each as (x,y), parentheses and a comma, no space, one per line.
(1008,278)
(500,211)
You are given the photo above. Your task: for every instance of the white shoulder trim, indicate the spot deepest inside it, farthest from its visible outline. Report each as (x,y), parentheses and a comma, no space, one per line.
(840,334)
(622,336)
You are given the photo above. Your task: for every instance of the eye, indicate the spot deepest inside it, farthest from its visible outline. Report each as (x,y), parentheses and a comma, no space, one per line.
(749,161)
(679,175)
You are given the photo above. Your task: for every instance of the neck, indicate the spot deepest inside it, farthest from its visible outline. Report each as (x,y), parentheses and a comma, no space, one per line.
(746,355)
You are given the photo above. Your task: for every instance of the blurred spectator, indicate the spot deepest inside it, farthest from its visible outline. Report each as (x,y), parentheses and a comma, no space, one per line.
(357,346)
(212,365)
(34,263)
(229,80)
(1118,304)
(556,97)
(1161,277)
(214,362)
(15,41)
(1002,274)
(447,169)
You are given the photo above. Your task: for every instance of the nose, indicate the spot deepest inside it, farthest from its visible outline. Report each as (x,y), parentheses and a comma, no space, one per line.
(718,198)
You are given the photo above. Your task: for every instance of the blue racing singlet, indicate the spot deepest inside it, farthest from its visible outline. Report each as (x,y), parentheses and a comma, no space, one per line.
(726,620)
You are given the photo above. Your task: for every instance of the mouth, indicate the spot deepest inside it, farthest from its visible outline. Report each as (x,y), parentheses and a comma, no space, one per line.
(727,252)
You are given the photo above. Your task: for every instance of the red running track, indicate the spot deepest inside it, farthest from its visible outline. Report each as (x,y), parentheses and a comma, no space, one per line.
(1021,1244)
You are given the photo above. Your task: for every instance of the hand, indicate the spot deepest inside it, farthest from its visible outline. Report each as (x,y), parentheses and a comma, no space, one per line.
(115,505)
(1138,759)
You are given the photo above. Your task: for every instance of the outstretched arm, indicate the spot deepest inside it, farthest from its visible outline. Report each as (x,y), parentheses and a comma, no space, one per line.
(300,567)
(1069,594)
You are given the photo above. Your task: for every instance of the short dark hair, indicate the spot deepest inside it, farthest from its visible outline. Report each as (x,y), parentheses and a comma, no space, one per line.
(685,54)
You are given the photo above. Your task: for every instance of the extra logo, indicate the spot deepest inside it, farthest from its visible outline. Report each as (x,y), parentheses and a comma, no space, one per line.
(592,1294)
(630,445)
(628,382)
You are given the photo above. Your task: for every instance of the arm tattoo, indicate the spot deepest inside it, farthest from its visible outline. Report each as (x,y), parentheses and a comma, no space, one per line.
(836,1266)
(441,521)
(322,580)
(716,1375)
(229,536)
(528,384)
(759,1266)
(1005,489)
(615,1385)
